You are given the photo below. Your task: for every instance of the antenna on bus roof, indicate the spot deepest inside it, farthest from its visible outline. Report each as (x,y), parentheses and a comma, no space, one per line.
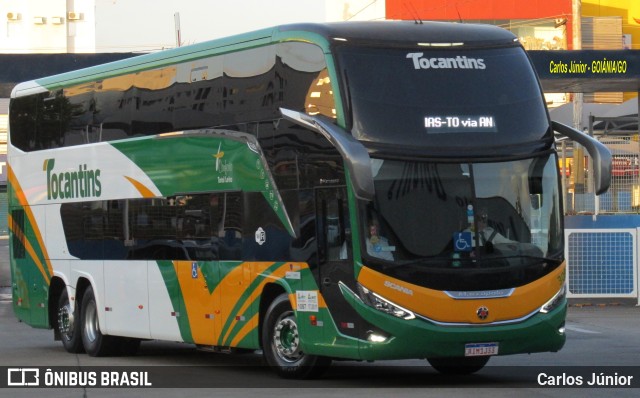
(459,16)
(415,15)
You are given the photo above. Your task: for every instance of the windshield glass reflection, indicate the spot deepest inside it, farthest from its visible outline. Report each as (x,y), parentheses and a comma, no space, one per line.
(452,217)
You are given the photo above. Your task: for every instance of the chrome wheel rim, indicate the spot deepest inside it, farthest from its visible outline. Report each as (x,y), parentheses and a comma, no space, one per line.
(286,339)
(91,322)
(66,321)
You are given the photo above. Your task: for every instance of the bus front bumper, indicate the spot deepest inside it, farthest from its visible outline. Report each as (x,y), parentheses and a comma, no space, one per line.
(419,338)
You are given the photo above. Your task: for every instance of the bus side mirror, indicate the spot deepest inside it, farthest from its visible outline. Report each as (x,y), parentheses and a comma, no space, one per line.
(355,155)
(599,153)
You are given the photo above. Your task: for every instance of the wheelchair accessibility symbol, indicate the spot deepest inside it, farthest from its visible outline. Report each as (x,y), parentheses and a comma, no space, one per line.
(194,270)
(462,241)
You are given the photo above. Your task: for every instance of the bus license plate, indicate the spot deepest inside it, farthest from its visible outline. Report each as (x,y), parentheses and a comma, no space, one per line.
(480,349)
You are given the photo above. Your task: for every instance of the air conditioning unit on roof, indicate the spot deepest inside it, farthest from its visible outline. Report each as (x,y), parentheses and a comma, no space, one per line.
(13,16)
(74,16)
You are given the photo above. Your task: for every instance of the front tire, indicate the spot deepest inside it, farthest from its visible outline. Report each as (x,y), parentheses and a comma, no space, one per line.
(458,365)
(281,344)
(68,324)
(95,343)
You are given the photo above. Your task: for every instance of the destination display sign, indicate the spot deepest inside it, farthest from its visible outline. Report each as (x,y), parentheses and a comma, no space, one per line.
(460,124)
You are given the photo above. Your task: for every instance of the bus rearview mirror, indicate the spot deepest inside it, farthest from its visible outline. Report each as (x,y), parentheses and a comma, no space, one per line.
(599,153)
(354,154)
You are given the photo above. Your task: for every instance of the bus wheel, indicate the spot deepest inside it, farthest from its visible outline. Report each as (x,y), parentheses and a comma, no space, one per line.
(458,365)
(95,343)
(281,344)
(69,325)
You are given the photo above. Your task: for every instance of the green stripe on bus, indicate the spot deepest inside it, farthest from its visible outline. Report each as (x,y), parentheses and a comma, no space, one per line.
(170,277)
(245,296)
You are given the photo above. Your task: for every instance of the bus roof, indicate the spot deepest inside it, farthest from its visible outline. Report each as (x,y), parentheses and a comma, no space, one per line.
(407,32)
(373,32)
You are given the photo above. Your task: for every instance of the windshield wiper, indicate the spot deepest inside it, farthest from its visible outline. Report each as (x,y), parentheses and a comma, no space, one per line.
(426,261)
(445,260)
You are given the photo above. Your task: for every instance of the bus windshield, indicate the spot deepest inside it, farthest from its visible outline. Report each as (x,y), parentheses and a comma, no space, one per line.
(444,98)
(492,225)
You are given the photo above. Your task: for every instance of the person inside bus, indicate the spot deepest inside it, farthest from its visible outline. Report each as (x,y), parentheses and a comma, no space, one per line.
(377,245)
(488,235)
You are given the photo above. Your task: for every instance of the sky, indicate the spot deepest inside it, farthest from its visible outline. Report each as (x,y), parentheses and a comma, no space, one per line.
(129,25)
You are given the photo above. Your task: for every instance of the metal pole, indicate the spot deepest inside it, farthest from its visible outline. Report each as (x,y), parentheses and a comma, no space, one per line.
(565,178)
(577,45)
(176,19)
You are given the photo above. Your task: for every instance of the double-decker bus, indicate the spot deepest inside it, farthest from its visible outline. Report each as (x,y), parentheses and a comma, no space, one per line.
(363,191)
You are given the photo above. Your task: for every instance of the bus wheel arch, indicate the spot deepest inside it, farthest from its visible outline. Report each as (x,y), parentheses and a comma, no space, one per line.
(281,343)
(269,293)
(56,287)
(81,286)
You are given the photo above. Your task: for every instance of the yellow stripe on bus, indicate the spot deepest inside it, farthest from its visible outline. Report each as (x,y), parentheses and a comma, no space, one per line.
(253,322)
(22,199)
(19,234)
(246,329)
(231,299)
(144,191)
(439,306)
(198,303)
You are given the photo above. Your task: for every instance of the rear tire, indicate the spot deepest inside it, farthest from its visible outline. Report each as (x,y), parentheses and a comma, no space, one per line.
(95,343)
(458,365)
(68,324)
(281,344)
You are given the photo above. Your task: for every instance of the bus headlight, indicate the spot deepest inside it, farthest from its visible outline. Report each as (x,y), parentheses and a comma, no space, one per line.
(555,300)
(381,304)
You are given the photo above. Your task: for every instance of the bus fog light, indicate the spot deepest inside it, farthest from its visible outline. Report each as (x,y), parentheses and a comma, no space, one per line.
(376,337)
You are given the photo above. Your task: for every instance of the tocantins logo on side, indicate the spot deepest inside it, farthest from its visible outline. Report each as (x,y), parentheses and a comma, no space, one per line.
(223,168)
(83,183)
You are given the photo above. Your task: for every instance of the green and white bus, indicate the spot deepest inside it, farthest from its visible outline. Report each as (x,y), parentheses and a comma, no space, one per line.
(362,191)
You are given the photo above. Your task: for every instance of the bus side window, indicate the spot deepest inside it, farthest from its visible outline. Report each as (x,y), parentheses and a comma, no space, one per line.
(17,218)
(229,229)
(334,226)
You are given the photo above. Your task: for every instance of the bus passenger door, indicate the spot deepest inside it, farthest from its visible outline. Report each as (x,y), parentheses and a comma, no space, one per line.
(334,256)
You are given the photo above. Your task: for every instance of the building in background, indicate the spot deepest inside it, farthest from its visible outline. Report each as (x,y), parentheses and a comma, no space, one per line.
(90,26)
(82,33)
(542,25)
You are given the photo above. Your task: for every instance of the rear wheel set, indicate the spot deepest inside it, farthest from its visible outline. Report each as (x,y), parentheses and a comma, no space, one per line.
(80,331)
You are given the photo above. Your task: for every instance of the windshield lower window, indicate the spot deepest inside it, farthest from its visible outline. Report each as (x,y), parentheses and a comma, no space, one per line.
(464,226)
